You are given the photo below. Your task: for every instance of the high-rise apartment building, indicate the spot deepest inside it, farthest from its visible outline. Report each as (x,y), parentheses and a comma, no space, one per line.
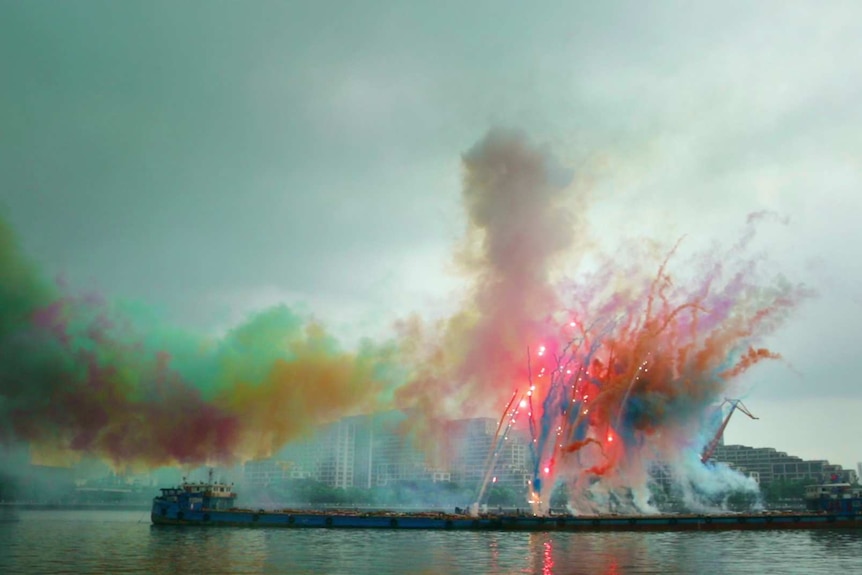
(360,451)
(327,456)
(475,450)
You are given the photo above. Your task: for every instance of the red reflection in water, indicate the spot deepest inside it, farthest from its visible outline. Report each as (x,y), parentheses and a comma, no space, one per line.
(495,556)
(548,562)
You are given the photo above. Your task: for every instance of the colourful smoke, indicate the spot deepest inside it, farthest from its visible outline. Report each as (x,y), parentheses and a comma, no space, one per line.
(639,362)
(79,377)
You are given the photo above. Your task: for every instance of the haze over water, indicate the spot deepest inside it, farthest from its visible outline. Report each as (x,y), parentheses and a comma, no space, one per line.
(91,542)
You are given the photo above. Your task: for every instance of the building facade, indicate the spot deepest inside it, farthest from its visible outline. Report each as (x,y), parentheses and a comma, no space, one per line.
(374,451)
(771,465)
(477,449)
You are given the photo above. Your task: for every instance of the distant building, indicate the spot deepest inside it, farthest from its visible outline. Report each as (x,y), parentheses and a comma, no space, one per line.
(265,472)
(395,459)
(327,456)
(476,449)
(360,451)
(772,465)
(394,455)
(337,453)
(370,451)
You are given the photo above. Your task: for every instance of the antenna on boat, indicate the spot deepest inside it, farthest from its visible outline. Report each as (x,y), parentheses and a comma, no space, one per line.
(210,475)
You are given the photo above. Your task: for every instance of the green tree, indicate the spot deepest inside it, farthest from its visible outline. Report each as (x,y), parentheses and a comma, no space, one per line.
(502,496)
(782,491)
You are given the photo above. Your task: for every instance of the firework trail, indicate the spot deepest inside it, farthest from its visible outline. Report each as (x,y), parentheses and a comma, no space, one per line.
(624,365)
(638,385)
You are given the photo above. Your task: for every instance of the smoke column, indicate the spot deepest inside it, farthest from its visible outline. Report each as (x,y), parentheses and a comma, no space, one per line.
(518,205)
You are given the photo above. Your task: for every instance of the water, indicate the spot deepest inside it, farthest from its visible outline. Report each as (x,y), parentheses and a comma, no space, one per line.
(115,542)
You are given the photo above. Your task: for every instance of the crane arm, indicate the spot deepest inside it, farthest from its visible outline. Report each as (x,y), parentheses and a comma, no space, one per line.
(734,405)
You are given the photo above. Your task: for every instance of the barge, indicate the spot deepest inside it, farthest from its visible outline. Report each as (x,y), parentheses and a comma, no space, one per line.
(213,504)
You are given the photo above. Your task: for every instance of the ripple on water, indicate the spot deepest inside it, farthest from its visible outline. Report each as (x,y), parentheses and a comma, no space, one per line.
(103,542)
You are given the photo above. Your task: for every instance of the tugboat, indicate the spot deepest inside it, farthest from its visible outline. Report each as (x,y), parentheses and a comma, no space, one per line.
(171,506)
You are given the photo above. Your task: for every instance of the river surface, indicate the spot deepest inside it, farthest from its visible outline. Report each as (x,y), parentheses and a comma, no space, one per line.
(124,542)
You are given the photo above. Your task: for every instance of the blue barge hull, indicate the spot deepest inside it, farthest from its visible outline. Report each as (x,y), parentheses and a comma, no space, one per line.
(212,504)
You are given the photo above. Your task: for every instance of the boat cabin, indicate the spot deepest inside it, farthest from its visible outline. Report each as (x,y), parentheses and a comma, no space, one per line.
(834,497)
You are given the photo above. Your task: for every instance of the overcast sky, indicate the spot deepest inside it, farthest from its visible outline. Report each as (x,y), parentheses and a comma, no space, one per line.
(214,158)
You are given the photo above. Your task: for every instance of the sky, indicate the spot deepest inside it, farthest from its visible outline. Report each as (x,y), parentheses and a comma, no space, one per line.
(212,159)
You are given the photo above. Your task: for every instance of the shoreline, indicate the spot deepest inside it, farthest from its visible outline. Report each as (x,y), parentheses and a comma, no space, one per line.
(30,506)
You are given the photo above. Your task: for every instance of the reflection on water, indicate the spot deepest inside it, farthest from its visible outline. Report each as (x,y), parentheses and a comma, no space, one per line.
(547,559)
(125,542)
